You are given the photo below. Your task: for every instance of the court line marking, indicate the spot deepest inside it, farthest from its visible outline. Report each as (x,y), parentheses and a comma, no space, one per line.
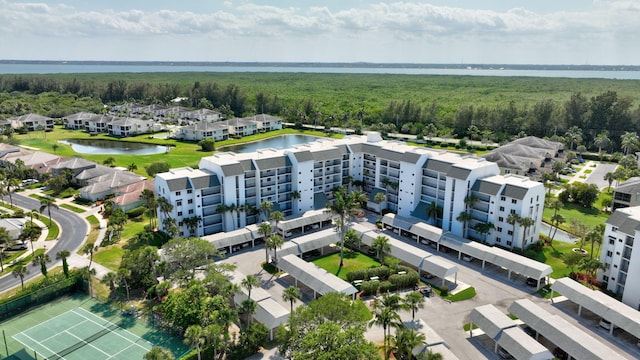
(85,344)
(65,330)
(116,354)
(138,338)
(37,343)
(53,318)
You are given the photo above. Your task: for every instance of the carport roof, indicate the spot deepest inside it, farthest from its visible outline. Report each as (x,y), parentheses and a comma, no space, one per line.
(426,231)
(522,346)
(407,253)
(569,338)
(231,238)
(316,240)
(506,259)
(491,320)
(308,218)
(314,277)
(620,314)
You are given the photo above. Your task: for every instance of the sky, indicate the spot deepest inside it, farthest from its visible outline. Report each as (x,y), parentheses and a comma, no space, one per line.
(595,32)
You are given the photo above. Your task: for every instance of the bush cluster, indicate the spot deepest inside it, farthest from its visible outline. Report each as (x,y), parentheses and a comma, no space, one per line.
(134,213)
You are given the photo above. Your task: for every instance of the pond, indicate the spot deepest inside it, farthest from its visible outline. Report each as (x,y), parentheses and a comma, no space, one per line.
(277,142)
(113,147)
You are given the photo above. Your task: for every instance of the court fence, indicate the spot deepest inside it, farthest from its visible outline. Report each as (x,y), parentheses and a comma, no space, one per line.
(40,296)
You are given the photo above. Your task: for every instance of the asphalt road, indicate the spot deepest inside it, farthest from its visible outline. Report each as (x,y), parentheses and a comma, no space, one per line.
(73,231)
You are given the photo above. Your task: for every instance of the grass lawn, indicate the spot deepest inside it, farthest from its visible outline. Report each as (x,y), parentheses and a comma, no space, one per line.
(590,217)
(109,256)
(182,153)
(93,220)
(552,256)
(352,261)
(134,226)
(72,208)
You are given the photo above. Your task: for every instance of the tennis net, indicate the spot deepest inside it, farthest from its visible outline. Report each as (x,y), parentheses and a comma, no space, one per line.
(85,341)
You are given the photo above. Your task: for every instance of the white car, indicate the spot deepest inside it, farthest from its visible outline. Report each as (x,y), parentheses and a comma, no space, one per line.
(467,258)
(605,324)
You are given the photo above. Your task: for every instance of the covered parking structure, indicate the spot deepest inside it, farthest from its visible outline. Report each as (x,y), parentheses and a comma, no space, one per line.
(317,279)
(309,242)
(512,262)
(619,314)
(432,338)
(268,311)
(412,255)
(309,221)
(232,241)
(507,334)
(575,342)
(412,227)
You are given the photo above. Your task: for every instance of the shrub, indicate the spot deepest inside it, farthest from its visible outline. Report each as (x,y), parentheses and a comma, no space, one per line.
(207,144)
(444,290)
(387,286)
(382,272)
(134,213)
(444,144)
(405,281)
(530,253)
(357,275)
(370,287)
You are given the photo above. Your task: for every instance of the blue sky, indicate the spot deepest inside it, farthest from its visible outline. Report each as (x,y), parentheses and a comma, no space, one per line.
(436,31)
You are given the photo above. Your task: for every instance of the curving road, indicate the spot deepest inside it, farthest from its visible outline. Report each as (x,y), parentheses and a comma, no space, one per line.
(73,231)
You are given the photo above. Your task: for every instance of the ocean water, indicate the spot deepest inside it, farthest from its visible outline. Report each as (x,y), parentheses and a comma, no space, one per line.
(64,68)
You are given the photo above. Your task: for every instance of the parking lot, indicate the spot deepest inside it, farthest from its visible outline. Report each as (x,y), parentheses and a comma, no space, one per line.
(492,287)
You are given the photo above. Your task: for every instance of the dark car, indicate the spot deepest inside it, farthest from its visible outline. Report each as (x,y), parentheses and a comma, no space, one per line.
(533,282)
(560,354)
(426,291)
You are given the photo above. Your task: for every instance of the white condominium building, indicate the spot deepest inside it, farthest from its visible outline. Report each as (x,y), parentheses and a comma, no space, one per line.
(619,257)
(303,178)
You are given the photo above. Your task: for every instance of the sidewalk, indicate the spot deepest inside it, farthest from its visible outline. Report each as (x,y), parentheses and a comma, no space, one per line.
(75,260)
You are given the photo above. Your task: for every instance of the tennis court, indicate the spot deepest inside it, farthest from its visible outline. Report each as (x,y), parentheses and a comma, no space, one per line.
(80,334)
(77,327)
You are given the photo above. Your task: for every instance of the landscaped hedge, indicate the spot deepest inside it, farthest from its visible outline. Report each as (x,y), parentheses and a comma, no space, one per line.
(404,281)
(382,272)
(134,213)
(370,287)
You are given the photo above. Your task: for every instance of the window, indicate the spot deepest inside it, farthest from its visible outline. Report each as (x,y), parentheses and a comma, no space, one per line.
(609,253)
(508,243)
(614,229)
(180,223)
(502,198)
(190,201)
(177,193)
(514,201)
(179,213)
(499,229)
(612,241)
(513,211)
(605,278)
(179,203)
(500,218)
(509,232)
(189,191)
(501,208)
(190,211)
(498,240)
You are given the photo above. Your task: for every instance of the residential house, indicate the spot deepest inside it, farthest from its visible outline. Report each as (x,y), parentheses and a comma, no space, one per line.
(33,122)
(204,130)
(131,126)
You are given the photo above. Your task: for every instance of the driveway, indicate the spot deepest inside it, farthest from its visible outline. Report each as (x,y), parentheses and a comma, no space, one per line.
(597,175)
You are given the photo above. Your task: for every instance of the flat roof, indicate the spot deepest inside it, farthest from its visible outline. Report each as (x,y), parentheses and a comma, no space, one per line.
(314,277)
(601,304)
(308,218)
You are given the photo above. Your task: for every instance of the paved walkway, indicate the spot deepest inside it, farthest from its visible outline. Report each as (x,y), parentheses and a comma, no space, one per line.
(75,260)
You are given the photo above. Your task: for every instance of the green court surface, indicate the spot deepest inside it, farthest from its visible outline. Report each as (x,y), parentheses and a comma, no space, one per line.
(77,327)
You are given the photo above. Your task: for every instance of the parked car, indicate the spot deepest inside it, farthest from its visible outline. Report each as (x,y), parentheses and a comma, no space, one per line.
(560,354)
(605,324)
(504,354)
(17,247)
(532,282)
(426,291)
(467,258)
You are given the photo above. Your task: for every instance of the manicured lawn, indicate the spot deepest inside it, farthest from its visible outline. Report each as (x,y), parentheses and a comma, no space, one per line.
(93,220)
(552,256)
(134,226)
(182,153)
(72,208)
(109,256)
(590,217)
(352,261)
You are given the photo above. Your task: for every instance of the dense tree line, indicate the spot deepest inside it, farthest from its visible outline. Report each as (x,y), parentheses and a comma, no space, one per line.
(605,113)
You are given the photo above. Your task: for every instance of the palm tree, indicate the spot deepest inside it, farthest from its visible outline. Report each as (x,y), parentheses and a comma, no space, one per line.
(265,209)
(434,211)
(248,307)
(249,282)
(291,294)
(273,243)
(41,259)
(194,336)
(110,279)
(595,235)
(159,353)
(601,140)
(574,136)
(609,177)
(464,217)
(86,273)
(149,199)
(20,271)
(192,223)
(123,275)
(265,230)
(556,220)
(5,241)
(526,223)
(381,245)
(150,253)
(132,167)
(629,142)
(164,205)
(379,199)
(276,217)
(385,311)
(414,301)
(48,202)
(89,249)
(512,220)
(344,206)
(63,255)
(405,341)
(31,233)
(11,185)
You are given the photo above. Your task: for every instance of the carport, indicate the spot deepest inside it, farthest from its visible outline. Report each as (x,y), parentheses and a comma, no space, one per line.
(577,343)
(317,279)
(618,313)
(432,338)
(230,239)
(268,311)
(313,219)
(313,241)
(507,334)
